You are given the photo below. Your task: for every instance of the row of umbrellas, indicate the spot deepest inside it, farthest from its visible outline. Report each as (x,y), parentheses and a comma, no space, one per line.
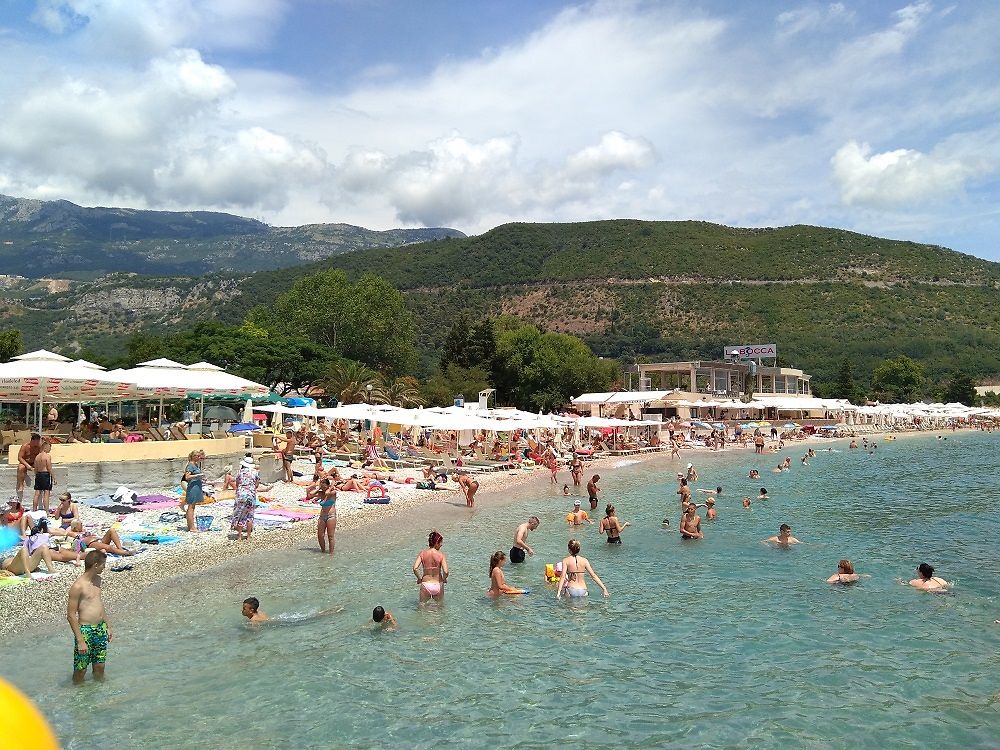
(46,376)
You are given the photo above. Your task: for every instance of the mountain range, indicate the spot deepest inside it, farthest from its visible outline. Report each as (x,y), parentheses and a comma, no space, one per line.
(47,238)
(634,290)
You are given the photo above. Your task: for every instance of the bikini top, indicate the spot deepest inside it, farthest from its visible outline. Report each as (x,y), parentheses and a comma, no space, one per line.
(576,572)
(329,502)
(426,567)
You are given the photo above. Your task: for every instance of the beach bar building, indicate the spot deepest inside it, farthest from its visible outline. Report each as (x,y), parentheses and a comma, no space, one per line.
(712,390)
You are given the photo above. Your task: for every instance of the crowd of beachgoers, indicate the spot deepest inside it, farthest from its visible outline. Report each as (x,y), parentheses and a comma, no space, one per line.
(329,475)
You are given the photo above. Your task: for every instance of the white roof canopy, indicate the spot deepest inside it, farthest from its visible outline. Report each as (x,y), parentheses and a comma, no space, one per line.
(46,376)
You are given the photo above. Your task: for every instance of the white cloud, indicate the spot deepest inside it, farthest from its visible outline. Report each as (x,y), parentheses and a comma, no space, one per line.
(895,178)
(813,17)
(648,110)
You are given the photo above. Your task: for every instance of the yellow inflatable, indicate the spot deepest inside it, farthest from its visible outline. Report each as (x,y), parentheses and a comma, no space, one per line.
(22,727)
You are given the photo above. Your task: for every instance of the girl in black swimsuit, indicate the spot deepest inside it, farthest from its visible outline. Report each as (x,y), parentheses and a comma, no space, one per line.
(611,526)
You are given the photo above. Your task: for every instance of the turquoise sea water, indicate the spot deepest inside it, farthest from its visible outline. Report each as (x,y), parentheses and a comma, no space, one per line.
(717,643)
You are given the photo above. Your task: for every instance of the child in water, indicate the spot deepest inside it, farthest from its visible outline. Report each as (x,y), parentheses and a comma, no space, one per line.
(383,619)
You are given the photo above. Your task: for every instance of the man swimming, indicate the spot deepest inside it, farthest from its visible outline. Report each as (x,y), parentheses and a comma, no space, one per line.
(251,610)
(784,538)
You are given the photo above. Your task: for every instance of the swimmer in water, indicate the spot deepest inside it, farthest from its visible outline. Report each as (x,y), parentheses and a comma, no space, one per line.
(498,584)
(763,494)
(431,569)
(578,516)
(611,526)
(927,581)
(251,610)
(710,513)
(746,502)
(690,525)
(754,474)
(845,573)
(854,444)
(384,619)
(717,492)
(565,489)
(574,567)
(784,538)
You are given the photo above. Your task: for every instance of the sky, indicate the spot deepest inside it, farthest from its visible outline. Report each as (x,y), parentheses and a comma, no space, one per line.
(874,116)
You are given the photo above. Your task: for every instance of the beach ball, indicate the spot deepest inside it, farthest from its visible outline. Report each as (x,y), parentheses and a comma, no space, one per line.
(22,726)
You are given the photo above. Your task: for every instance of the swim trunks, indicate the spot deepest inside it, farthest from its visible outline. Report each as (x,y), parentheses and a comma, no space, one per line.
(43,481)
(96,638)
(516,555)
(614,540)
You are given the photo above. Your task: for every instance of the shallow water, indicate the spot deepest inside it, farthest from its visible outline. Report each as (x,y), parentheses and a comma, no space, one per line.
(722,642)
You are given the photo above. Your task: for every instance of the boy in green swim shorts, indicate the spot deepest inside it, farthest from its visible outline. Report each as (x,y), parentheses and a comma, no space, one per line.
(87,618)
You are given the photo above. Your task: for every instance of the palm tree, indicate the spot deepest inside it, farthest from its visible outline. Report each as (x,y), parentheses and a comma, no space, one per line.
(404,392)
(353,383)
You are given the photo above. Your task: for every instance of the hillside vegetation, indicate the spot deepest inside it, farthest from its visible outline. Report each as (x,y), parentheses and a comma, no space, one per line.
(631,289)
(59,238)
(668,290)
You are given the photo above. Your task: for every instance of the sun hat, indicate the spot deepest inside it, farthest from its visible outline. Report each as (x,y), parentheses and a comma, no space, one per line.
(247,462)
(576,502)
(690,466)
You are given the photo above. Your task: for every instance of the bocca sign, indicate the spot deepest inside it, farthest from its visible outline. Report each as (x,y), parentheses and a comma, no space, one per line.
(753,351)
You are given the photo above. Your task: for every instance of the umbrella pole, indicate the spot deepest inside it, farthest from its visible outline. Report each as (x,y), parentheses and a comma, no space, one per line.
(41,398)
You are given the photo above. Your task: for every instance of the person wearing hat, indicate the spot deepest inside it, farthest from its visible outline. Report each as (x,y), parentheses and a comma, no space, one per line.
(578,516)
(247,484)
(692,473)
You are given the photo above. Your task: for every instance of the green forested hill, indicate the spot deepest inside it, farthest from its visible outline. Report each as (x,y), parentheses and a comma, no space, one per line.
(631,289)
(687,289)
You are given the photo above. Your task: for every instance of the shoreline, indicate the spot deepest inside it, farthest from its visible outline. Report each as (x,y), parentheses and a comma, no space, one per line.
(39,606)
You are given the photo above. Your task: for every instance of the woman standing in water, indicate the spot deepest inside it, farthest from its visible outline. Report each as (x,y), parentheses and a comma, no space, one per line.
(498,584)
(573,569)
(611,526)
(326,525)
(431,569)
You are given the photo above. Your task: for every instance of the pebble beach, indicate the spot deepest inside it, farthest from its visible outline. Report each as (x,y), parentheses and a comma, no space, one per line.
(41,603)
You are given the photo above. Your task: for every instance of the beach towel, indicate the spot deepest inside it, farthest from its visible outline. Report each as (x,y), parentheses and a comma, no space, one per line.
(118,508)
(159,505)
(6,581)
(144,538)
(93,502)
(147,499)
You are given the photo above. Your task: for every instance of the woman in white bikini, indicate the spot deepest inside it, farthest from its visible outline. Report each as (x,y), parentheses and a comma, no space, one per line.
(573,569)
(431,569)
